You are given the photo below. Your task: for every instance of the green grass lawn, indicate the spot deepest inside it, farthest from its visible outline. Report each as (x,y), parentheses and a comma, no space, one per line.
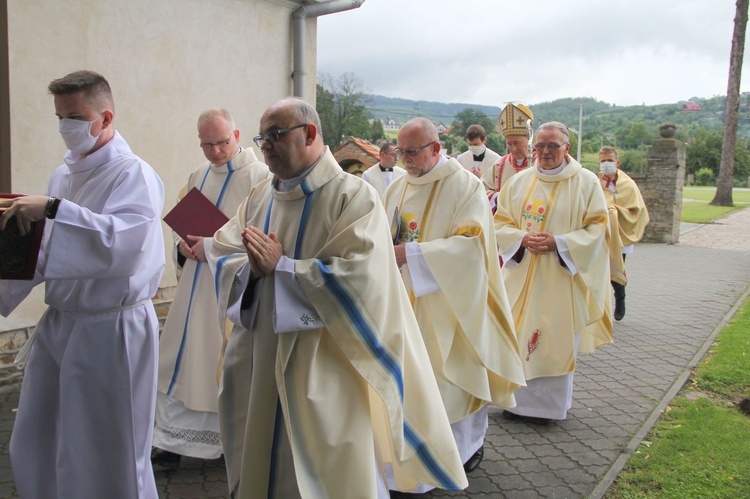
(701,445)
(695,207)
(708,193)
(701,212)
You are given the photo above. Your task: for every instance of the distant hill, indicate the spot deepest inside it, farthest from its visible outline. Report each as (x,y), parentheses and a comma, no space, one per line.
(599,117)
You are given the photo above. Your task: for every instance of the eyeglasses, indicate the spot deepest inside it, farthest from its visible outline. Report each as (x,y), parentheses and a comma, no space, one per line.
(393,154)
(411,152)
(551,146)
(209,145)
(274,135)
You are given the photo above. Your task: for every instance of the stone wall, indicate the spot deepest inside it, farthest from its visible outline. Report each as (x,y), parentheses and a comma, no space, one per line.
(661,187)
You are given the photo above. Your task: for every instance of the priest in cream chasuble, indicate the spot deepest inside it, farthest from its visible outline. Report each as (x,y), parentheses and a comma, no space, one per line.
(448,258)
(628,218)
(187,421)
(550,225)
(324,386)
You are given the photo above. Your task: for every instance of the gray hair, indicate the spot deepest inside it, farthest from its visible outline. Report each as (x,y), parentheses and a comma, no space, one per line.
(213,113)
(303,112)
(556,125)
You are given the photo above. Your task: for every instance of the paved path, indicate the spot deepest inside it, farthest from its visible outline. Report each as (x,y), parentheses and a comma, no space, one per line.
(678,298)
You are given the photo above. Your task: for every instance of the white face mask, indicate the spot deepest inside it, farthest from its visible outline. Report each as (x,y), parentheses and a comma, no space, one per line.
(77,134)
(476,150)
(608,167)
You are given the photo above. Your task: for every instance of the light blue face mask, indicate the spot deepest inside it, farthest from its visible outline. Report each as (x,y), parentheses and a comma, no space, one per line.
(77,134)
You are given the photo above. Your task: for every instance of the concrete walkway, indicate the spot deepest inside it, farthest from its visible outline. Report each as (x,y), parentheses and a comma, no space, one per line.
(679,296)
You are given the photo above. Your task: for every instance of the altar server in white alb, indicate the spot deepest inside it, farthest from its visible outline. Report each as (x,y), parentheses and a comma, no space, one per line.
(479,158)
(381,174)
(86,412)
(550,225)
(448,258)
(324,385)
(187,421)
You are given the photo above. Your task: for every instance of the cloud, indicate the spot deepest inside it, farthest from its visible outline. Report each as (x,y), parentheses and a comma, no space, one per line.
(483,52)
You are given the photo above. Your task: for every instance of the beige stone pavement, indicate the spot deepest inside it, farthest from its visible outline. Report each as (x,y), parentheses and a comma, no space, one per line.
(716,236)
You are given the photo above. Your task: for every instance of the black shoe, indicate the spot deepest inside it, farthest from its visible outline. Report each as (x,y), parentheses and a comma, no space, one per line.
(474,460)
(527,419)
(619,309)
(161,456)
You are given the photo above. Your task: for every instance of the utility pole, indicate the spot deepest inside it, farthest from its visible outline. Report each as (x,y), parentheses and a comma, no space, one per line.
(580,132)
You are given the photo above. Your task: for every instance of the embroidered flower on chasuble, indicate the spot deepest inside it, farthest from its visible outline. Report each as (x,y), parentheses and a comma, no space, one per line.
(310,319)
(409,228)
(533,343)
(534,212)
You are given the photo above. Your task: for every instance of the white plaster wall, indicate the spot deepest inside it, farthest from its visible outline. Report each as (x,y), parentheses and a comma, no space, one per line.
(166,61)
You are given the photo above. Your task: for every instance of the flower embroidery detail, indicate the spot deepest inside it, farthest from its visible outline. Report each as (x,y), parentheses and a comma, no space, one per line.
(533,343)
(409,228)
(534,211)
(310,319)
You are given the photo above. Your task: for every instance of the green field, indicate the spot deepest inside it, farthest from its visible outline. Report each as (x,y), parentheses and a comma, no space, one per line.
(707,194)
(699,447)
(695,207)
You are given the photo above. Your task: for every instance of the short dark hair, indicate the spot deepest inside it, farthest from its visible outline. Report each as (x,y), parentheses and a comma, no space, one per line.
(94,86)
(475,132)
(385,146)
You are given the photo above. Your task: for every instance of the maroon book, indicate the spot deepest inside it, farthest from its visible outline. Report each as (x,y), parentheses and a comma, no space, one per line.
(196,215)
(19,254)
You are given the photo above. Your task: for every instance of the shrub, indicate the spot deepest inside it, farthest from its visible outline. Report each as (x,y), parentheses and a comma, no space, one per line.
(703,176)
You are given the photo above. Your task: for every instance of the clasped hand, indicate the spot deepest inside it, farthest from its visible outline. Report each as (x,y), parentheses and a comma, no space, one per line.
(263,251)
(539,243)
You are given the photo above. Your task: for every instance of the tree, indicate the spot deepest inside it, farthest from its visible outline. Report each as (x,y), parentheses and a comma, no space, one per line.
(341,106)
(724,183)
(705,151)
(464,119)
(377,133)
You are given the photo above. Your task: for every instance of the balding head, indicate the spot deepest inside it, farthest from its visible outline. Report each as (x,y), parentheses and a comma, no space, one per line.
(299,145)
(419,146)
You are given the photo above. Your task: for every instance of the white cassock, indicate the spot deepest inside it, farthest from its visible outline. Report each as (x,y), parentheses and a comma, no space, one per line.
(467,161)
(86,412)
(379,179)
(187,420)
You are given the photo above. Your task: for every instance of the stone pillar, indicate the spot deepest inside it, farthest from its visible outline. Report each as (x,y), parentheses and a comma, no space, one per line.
(662,187)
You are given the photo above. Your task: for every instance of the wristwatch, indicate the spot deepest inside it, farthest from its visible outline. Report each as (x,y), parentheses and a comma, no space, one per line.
(52,205)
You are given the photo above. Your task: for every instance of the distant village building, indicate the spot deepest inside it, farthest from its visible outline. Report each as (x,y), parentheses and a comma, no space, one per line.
(441,128)
(690,107)
(356,155)
(390,124)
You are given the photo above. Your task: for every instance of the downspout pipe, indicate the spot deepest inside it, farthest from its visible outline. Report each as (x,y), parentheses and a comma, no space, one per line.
(298,28)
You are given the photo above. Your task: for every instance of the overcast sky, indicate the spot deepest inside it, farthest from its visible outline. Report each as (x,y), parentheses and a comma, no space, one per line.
(494,51)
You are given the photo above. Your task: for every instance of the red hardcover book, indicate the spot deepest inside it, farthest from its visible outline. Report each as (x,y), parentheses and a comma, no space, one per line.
(19,254)
(196,215)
